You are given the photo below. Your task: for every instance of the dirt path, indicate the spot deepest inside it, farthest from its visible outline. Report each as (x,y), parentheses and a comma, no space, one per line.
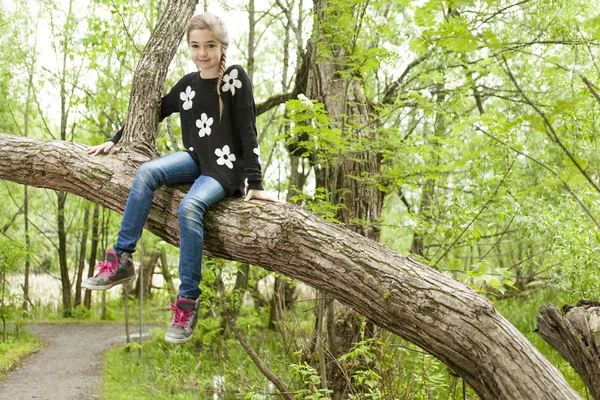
(69,366)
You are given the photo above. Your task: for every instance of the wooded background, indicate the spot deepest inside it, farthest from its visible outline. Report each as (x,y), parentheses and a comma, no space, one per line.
(461,133)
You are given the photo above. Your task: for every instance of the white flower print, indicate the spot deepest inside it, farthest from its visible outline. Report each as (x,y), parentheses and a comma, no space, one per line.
(225,157)
(187,97)
(204,124)
(257,152)
(231,82)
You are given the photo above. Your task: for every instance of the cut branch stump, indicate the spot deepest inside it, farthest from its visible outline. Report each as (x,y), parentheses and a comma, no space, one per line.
(575,335)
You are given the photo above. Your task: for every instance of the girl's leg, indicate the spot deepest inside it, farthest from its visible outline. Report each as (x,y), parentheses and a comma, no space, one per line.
(169,169)
(205,192)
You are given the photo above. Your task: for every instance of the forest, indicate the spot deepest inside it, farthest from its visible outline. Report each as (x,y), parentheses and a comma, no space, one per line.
(438,227)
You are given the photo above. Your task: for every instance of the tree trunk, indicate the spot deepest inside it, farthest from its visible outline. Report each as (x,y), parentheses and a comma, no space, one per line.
(576,337)
(418,242)
(345,178)
(149,264)
(87,299)
(27,248)
(61,197)
(284,291)
(240,287)
(82,252)
(30,71)
(251,36)
(140,130)
(65,279)
(167,275)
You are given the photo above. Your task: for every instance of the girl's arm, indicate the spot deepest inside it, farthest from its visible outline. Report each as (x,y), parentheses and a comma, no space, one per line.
(245,116)
(260,195)
(101,148)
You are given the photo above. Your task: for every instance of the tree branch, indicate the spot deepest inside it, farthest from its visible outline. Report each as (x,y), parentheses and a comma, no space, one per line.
(591,88)
(390,91)
(487,203)
(274,101)
(500,11)
(576,337)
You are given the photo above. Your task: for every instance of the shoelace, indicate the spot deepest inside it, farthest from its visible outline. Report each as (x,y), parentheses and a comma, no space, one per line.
(105,268)
(181,317)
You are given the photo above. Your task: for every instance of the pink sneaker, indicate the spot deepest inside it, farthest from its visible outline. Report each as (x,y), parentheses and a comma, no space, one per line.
(184,321)
(114,270)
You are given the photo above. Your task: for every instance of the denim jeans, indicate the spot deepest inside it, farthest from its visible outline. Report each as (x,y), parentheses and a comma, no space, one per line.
(167,170)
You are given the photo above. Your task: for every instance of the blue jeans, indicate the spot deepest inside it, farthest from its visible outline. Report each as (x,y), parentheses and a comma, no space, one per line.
(167,170)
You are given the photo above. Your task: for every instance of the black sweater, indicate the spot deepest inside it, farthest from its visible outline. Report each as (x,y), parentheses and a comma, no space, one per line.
(224,148)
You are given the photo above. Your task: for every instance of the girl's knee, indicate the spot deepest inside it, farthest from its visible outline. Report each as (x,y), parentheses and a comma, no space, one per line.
(146,175)
(191,208)
(187,209)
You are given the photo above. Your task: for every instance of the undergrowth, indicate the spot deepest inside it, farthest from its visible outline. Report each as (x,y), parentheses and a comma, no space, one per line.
(15,348)
(215,366)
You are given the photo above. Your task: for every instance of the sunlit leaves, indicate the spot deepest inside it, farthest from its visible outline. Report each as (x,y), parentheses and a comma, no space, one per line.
(425,16)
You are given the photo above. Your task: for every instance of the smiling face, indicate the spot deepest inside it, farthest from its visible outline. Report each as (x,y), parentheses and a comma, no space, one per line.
(206,52)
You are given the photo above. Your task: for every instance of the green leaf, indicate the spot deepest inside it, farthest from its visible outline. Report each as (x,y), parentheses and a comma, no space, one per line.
(424,17)
(463,44)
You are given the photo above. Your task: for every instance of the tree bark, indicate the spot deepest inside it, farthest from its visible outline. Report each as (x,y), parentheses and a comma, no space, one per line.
(444,317)
(27,248)
(30,71)
(65,279)
(167,275)
(349,179)
(283,291)
(576,337)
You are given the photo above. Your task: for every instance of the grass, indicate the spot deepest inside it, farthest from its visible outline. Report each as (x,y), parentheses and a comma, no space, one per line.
(163,371)
(16,348)
(211,363)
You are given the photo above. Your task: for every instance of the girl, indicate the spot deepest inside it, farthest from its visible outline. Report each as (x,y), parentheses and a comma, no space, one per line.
(218,124)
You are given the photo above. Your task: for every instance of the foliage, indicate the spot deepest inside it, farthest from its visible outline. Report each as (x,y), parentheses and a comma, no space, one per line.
(384,366)
(311,379)
(11,255)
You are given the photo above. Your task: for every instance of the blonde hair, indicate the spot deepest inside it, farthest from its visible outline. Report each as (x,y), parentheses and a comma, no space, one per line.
(218,27)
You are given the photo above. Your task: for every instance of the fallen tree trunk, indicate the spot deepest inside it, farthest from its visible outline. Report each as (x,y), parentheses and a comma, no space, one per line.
(442,316)
(576,337)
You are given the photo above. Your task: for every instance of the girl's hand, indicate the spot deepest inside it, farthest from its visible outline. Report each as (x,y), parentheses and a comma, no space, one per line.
(104,147)
(259,194)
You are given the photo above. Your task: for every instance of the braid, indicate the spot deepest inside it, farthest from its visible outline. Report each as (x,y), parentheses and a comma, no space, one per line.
(220,82)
